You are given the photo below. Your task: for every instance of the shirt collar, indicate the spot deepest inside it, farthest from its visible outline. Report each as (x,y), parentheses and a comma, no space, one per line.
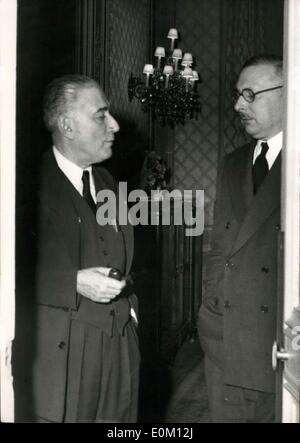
(72,171)
(275,145)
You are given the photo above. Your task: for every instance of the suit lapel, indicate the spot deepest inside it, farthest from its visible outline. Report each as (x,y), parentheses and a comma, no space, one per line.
(262,205)
(240,181)
(103,180)
(56,200)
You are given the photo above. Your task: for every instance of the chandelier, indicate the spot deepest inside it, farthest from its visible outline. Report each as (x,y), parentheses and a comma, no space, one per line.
(169,90)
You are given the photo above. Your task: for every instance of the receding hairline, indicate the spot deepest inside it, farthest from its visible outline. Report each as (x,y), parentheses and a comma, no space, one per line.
(75,95)
(74,90)
(270,73)
(62,93)
(271,60)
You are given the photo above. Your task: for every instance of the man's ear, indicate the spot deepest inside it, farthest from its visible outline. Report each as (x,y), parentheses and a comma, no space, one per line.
(66,126)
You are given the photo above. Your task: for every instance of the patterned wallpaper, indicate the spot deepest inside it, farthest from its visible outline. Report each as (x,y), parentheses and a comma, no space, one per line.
(196,143)
(129,30)
(244,30)
(221,35)
(128,50)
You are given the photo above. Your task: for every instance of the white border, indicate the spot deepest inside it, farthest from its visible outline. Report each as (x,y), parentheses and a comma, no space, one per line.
(8,34)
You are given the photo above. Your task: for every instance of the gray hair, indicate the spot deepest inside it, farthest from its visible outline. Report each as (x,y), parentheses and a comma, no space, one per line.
(60,94)
(266,59)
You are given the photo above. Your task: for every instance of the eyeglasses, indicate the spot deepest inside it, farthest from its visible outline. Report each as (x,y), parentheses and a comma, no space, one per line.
(248,94)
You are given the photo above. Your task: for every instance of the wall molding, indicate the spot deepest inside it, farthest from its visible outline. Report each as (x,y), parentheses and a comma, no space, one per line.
(92,42)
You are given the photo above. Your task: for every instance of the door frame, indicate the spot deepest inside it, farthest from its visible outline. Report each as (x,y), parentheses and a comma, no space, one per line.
(290,198)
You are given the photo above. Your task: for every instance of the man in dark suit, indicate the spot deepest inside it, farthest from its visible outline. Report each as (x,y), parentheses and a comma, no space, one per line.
(86,357)
(237,321)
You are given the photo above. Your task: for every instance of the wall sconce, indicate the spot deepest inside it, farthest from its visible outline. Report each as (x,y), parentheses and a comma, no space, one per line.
(168,90)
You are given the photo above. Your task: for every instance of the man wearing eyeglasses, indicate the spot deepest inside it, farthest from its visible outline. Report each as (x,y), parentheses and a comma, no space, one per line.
(237,321)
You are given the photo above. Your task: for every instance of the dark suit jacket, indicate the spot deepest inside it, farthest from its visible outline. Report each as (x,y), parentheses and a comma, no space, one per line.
(237,322)
(56,299)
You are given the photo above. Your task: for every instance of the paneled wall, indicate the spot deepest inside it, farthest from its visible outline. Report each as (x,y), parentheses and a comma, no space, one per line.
(128,41)
(113,42)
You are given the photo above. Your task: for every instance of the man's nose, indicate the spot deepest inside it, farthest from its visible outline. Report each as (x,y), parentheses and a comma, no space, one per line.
(240,104)
(112,123)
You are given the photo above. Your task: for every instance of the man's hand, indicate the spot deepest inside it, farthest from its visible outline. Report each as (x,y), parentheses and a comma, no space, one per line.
(94,283)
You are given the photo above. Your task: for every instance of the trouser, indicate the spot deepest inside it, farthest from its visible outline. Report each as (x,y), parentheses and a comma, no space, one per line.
(233,404)
(103,376)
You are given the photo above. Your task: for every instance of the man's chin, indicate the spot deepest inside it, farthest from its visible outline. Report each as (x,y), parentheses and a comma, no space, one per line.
(105,154)
(249,127)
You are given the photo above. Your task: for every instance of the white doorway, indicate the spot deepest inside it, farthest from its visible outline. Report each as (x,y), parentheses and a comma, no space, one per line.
(289,350)
(8,37)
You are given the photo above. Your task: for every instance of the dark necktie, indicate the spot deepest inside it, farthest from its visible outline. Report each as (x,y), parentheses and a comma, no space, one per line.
(86,192)
(260,168)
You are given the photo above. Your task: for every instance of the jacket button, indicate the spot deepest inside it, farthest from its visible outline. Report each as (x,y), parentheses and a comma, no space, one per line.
(61,345)
(227,226)
(278,227)
(227,304)
(264,309)
(265,269)
(105,253)
(229,264)
(101,238)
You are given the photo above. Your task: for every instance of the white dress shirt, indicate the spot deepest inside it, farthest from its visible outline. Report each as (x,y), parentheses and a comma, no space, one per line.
(74,173)
(275,145)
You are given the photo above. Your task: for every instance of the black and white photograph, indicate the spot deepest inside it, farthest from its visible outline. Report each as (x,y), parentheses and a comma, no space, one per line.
(150,214)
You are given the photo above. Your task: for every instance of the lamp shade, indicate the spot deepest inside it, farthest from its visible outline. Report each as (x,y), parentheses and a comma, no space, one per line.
(177,54)
(187,73)
(160,52)
(187,59)
(173,33)
(148,69)
(195,76)
(168,70)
